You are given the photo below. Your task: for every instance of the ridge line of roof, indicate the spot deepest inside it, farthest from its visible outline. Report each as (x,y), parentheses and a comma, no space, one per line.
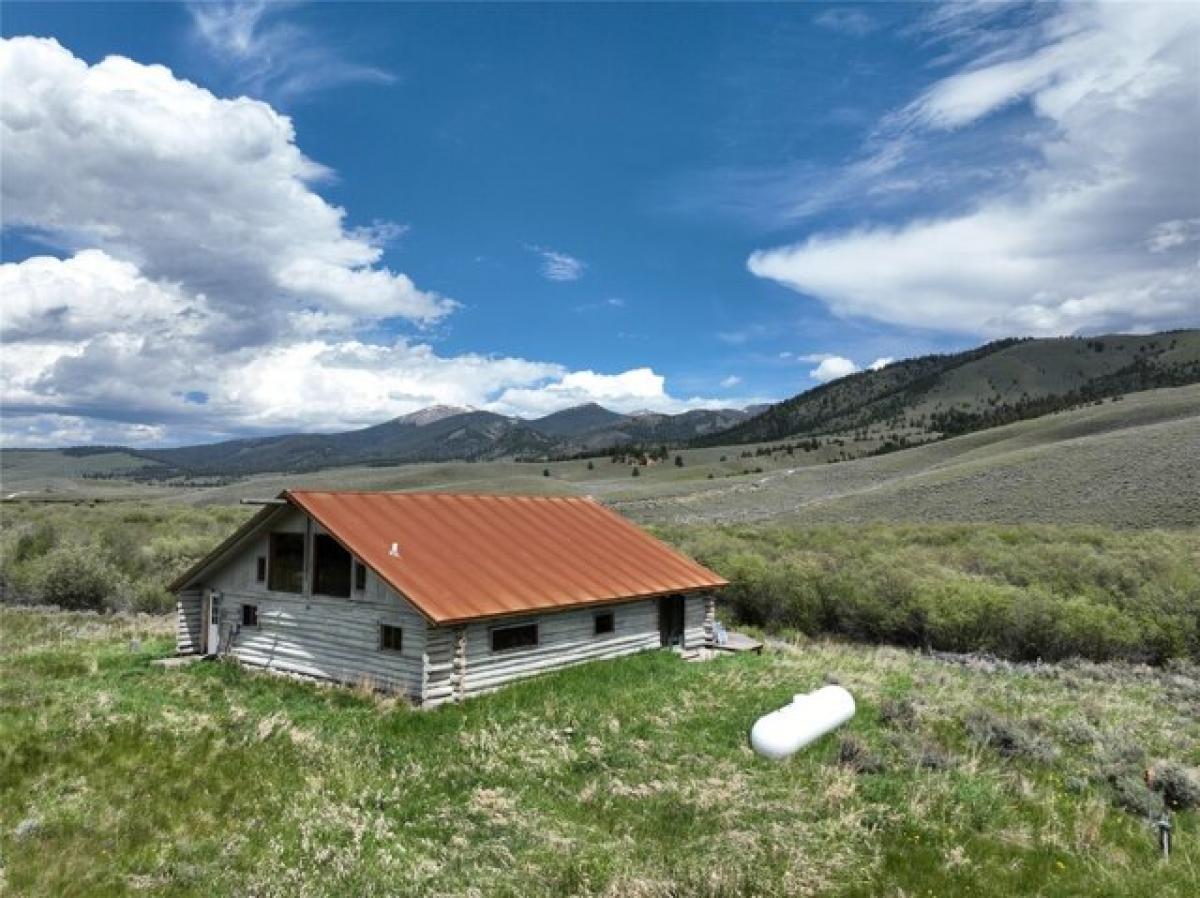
(522,496)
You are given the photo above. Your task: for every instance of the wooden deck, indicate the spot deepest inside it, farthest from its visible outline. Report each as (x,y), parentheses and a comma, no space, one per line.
(740,642)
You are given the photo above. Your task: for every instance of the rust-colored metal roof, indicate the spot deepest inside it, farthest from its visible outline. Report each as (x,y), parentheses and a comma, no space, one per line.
(466,557)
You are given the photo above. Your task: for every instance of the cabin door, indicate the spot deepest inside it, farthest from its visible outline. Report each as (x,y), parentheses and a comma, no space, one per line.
(212,623)
(670,620)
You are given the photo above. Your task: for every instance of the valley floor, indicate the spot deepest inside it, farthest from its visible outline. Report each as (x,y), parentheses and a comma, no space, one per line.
(1130,463)
(622,778)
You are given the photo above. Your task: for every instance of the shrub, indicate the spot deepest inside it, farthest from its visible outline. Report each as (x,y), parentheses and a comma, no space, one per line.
(35,542)
(1130,793)
(75,575)
(150,597)
(898,712)
(1179,786)
(1008,737)
(1020,592)
(854,753)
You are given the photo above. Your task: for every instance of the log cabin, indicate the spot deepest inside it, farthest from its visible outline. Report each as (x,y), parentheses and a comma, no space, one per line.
(439,596)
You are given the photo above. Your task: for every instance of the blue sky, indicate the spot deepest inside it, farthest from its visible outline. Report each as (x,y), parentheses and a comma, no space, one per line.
(524,207)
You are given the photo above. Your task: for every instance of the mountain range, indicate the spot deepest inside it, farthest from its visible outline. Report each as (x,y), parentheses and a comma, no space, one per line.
(933,395)
(437,433)
(943,395)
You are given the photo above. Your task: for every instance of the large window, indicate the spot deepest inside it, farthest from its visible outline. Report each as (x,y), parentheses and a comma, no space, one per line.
(285,572)
(518,636)
(331,567)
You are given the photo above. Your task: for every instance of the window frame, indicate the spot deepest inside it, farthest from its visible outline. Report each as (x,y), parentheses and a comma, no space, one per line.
(316,585)
(271,538)
(384,629)
(260,569)
(253,609)
(358,576)
(611,615)
(518,625)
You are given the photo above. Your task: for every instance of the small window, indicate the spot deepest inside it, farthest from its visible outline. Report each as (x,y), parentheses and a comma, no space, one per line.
(519,636)
(360,577)
(260,572)
(285,570)
(390,638)
(331,567)
(249,615)
(606,622)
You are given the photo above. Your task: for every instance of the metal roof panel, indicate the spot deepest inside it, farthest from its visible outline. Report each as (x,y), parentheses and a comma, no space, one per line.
(463,557)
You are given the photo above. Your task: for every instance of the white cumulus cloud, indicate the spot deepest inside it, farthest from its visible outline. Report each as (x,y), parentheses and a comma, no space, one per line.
(203,287)
(207,193)
(832,367)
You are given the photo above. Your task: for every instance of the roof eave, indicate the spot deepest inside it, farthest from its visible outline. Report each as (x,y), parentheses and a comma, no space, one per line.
(553,609)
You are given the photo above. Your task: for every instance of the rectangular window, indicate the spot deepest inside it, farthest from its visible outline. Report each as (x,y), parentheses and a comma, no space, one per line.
(249,615)
(606,622)
(285,570)
(519,636)
(360,576)
(390,638)
(260,571)
(331,567)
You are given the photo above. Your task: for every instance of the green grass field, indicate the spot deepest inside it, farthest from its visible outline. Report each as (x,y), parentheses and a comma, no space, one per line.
(633,777)
(630,777)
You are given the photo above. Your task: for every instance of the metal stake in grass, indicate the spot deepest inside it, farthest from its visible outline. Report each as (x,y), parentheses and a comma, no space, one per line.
(1163,825)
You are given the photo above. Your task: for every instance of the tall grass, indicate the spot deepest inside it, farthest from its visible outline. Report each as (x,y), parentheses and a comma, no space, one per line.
(622,778)
(1020,592)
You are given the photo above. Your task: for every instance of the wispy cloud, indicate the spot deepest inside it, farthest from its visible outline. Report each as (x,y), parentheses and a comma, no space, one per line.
(853,22)
(1087,233)
(611,302)
(748,334)
(731,381)
(272,57)
(557,266)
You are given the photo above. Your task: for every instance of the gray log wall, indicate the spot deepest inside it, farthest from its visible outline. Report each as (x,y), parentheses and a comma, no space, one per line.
(326,637)
(564,638)
(187,622)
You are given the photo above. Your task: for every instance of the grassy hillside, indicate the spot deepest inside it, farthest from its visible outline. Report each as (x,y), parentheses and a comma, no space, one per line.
(620,778)
(1130,464)
(993,384)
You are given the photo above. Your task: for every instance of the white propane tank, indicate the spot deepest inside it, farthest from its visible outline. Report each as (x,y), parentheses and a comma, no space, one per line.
(809,717)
